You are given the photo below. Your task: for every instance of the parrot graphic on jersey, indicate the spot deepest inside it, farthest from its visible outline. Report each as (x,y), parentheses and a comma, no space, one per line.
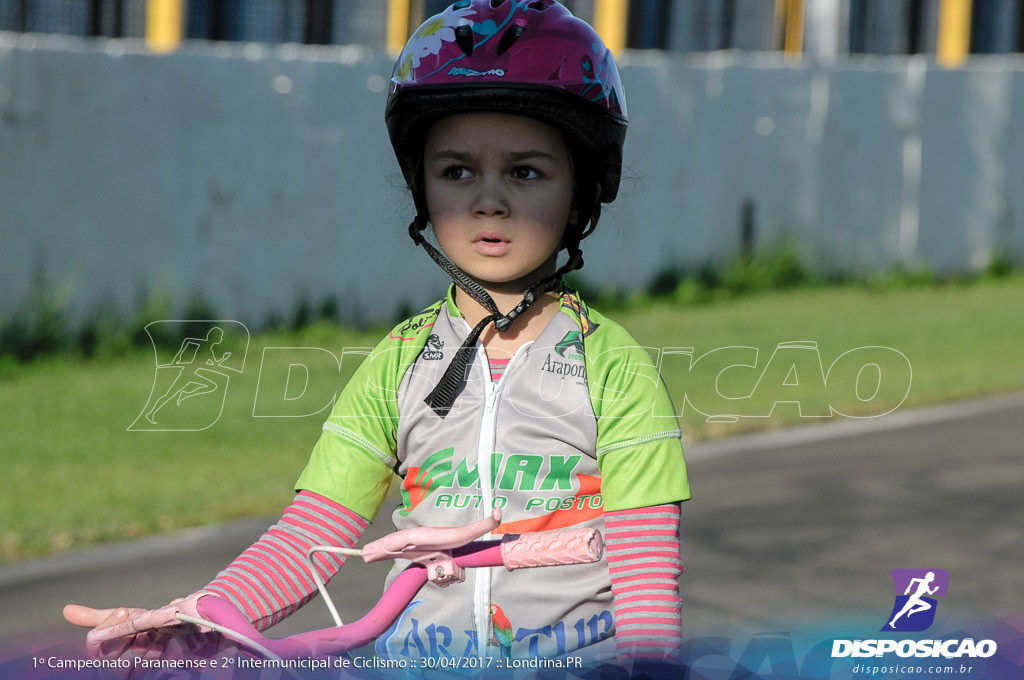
(503,633)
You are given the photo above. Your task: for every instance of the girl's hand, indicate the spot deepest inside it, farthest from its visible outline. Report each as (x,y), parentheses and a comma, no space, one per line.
(139,632)
(100,619)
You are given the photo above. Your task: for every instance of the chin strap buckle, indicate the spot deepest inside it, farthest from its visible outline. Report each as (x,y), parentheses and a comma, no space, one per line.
(505,322)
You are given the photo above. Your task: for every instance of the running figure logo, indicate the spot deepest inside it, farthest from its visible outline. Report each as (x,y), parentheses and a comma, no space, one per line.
(914,610)
(198,373)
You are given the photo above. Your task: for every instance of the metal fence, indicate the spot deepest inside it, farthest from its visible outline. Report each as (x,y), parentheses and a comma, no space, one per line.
(113,18)
(818,27)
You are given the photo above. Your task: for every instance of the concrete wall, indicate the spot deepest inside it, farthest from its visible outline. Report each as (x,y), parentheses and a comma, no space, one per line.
(258,175)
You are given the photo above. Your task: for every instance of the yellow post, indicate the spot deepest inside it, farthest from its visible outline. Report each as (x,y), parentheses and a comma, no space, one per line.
(398,25)
(610,20)
(954,32)
(792,14)
(779,27)
(165,21)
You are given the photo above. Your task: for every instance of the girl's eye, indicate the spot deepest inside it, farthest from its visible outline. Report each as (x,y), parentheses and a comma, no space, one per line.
(524,172)
(456,172)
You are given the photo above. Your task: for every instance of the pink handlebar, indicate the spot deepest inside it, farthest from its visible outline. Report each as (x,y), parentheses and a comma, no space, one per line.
(551,548)
(573,546)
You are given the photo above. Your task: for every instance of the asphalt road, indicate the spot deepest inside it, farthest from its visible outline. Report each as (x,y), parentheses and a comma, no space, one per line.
(785,529)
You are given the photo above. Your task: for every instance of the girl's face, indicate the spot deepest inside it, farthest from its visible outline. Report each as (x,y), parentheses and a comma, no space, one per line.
(499,190)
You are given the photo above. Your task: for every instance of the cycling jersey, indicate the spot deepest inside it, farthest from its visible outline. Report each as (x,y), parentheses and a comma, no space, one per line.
(580,422)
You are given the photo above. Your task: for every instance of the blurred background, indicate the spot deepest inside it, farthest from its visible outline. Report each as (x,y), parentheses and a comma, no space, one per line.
(805,179)
(234,154)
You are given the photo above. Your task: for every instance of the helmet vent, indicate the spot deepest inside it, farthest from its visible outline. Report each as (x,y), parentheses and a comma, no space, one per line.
(509,37)
(464,39)
(539,5)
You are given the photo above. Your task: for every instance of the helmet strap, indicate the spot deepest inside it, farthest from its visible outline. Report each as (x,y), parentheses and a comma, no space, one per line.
(471,287)
(442,397)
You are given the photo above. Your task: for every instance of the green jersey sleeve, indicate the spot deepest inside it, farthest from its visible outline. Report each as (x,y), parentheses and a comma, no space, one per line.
(639,442)
(354,460)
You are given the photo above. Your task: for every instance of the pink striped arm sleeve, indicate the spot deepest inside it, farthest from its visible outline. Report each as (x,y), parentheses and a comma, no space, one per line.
(643,559)
(270,580)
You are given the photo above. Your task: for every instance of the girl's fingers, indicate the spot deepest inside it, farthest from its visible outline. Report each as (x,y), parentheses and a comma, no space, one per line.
(100,620)
(122,623)
(114,635)
(112,649)
(87,617)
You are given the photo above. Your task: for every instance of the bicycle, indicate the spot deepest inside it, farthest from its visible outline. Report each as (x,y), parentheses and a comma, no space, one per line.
(439,555)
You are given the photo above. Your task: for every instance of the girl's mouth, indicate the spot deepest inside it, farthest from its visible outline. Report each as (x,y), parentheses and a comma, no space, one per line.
(491,245)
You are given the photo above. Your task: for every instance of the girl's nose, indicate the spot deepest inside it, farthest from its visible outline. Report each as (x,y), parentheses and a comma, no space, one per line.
(490,200)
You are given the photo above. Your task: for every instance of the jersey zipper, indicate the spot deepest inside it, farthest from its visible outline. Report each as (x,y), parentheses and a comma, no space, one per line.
(485,460)
(485,451)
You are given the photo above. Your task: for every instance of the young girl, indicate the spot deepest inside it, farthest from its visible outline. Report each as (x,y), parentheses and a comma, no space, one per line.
(507,118)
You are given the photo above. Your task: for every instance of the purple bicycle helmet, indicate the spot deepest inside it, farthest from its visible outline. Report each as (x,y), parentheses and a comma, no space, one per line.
(516,56)
(528,57)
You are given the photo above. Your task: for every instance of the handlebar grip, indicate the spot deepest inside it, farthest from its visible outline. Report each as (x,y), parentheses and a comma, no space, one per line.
(552,548)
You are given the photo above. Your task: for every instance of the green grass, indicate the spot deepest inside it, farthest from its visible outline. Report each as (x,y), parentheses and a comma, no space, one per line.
(960,341)
(75,475)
